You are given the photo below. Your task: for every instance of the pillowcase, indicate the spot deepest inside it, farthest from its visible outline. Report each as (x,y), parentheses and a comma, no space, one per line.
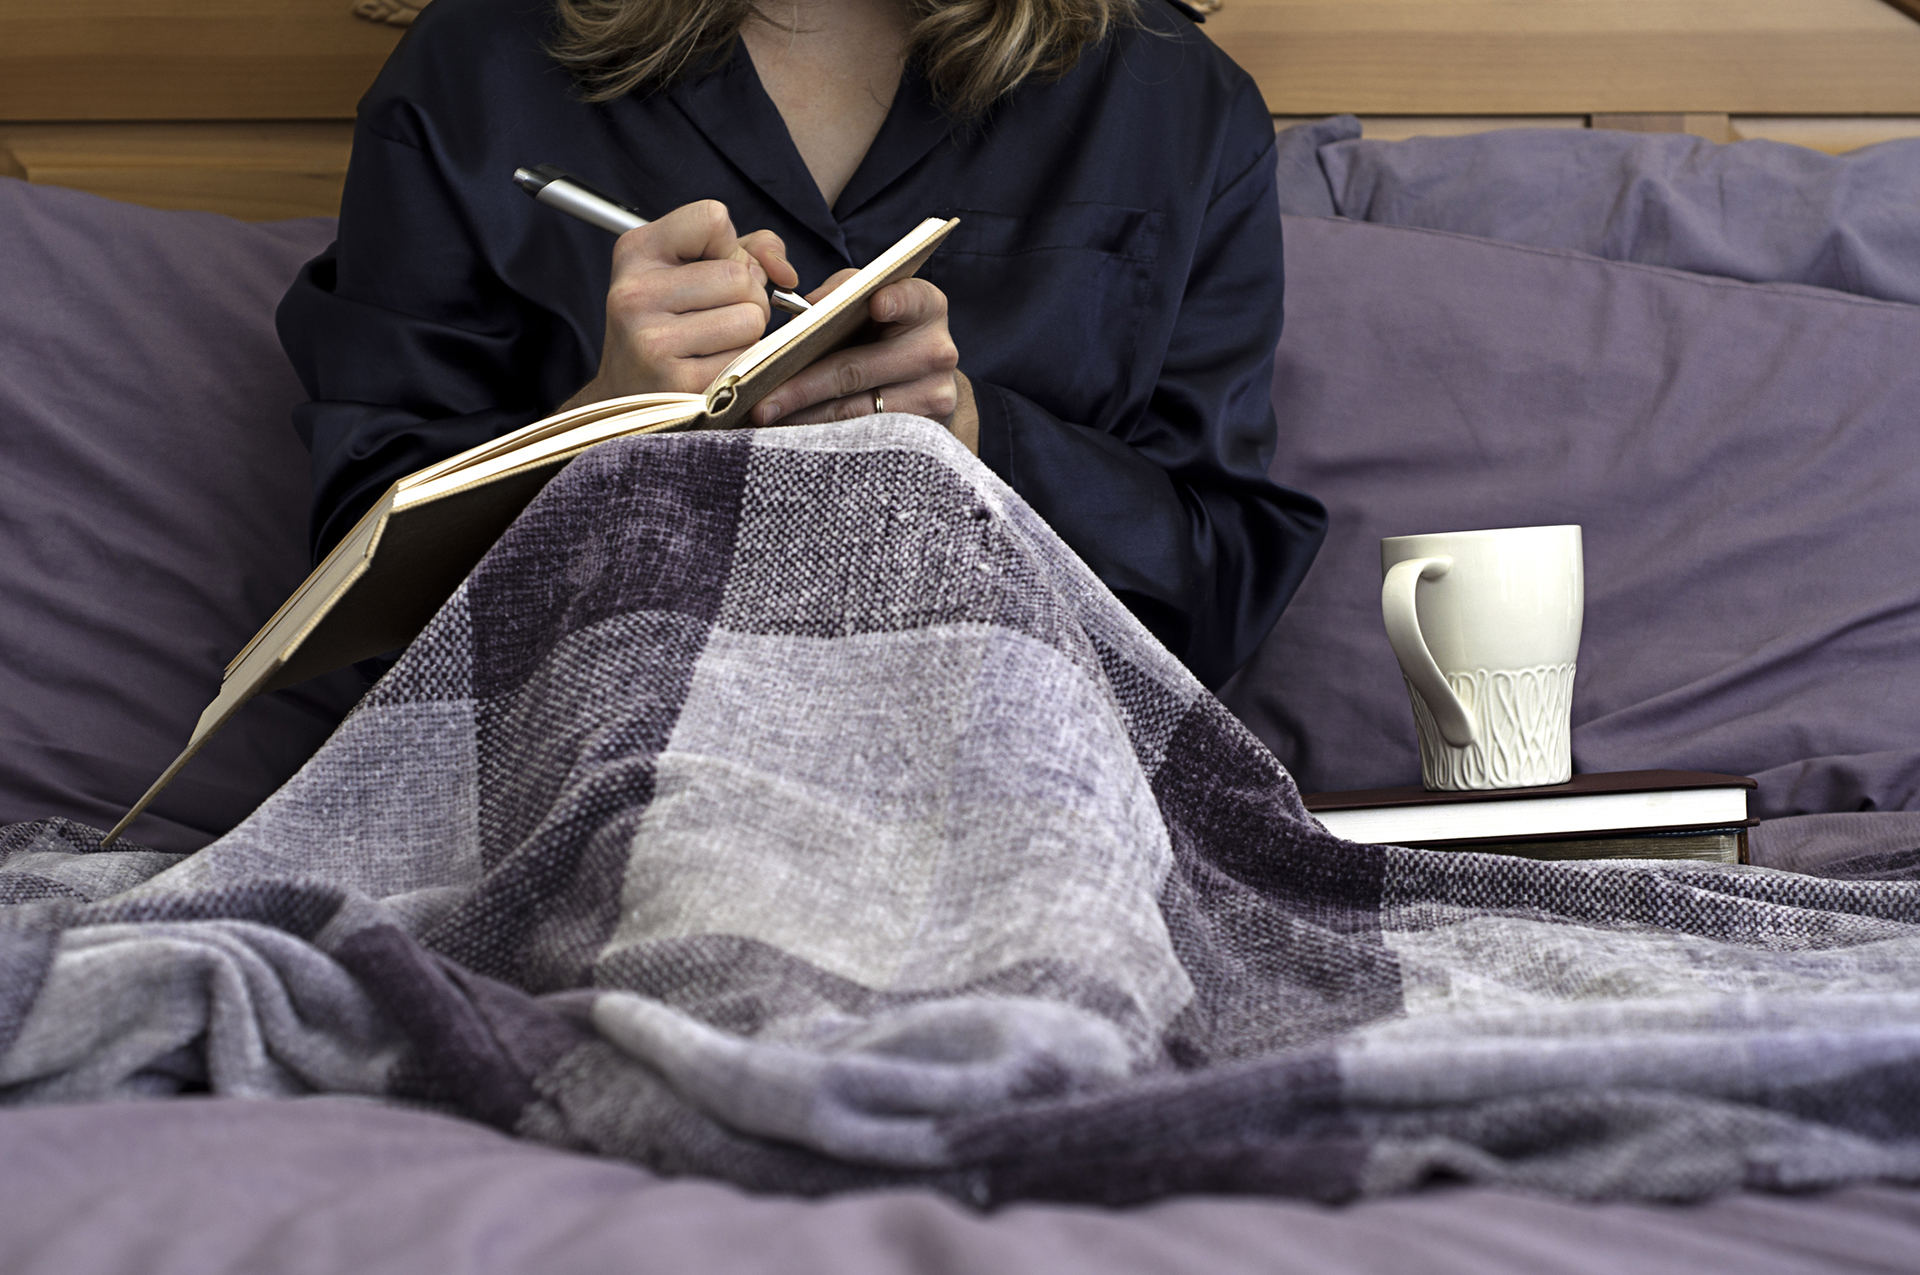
(153,502)
(1760,211)
(1304,190)
(1741,456)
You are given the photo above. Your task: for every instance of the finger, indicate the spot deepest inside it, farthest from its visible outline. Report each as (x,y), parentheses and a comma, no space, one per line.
(907,303)
(698,285)
(699,231)
(932,396)
(834,409)
(669,343)
(851,377)
(644,257)
(766,248)
(703,372)
(693,375)
(755,271)
(838,376)
(913,354)
(834,280)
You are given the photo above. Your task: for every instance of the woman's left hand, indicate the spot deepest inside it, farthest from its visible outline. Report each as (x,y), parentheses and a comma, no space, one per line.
(910,365)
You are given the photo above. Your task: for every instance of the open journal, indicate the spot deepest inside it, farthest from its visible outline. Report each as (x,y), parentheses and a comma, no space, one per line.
(381,584)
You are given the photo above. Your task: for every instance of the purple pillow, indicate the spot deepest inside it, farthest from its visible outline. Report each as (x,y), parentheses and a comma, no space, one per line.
(153,505)
(1760,211)
(1302,182)
(1745,459)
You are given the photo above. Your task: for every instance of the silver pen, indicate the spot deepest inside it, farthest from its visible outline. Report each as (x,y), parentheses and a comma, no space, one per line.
(557,189)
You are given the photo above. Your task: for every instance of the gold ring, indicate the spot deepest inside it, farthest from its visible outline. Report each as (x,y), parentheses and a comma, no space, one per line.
(879,404)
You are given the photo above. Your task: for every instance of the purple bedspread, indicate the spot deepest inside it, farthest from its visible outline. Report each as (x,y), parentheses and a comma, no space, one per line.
(338,1187)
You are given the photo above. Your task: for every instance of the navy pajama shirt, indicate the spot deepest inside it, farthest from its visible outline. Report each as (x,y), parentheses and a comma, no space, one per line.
(1114,283)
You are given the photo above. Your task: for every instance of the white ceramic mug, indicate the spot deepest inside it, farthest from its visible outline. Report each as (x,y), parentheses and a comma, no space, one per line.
(1486,626)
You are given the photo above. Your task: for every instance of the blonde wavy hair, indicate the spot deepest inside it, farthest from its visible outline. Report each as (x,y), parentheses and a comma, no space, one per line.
(971,51)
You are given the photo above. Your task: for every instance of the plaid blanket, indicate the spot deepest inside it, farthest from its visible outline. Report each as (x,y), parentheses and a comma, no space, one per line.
(793,807)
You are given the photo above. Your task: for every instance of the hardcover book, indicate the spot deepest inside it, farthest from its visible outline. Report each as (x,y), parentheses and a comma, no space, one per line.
(388,576)
(1659,814)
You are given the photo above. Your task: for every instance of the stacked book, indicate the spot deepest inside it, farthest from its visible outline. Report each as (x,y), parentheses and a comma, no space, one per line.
(1639,814)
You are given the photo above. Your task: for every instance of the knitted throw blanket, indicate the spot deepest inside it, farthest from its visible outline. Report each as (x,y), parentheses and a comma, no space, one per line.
(791,806)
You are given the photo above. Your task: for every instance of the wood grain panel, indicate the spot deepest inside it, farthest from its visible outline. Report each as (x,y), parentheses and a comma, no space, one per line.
(309,59)
(1557,57)
(185,59)
(1713,127)
(1397,128)
(1834,136)
(254,171)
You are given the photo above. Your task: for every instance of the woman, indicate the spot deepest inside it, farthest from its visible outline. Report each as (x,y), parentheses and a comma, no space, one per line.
(1099,328)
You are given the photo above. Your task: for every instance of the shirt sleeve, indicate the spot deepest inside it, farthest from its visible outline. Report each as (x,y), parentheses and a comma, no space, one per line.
(1173,509)
(408,343)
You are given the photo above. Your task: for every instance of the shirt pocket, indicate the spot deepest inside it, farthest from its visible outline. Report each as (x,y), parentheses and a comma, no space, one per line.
(1050,304)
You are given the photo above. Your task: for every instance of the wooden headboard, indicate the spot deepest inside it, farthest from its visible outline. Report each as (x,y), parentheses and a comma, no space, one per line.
(244,106)
(239,106)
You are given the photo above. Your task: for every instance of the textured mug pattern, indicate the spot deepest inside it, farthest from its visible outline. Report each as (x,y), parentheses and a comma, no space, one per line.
(1523,719)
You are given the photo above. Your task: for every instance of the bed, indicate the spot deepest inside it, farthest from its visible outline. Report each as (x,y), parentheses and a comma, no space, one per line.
(1462,333)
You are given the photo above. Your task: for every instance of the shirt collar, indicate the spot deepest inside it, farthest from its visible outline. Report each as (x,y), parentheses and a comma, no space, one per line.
(731,107)
(914,126)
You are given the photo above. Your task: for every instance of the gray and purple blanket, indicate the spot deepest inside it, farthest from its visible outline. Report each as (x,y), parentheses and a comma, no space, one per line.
(793,807)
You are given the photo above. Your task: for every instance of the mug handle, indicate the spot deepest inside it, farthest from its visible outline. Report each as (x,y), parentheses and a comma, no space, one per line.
(1416,661)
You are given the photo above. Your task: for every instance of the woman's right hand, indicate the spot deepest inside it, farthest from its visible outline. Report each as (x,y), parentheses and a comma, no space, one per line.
(687,295)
